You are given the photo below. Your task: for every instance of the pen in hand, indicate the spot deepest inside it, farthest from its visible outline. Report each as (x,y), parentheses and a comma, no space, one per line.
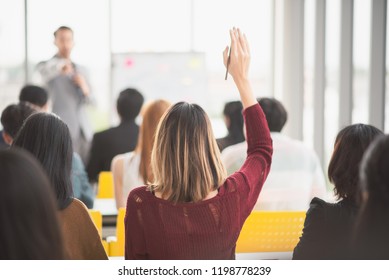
(228,63)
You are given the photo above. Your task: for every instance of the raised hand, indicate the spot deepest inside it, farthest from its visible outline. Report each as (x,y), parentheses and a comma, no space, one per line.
(239,57)
(238,67)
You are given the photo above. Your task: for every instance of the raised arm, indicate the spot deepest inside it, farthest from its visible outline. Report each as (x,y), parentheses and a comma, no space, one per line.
(252,175)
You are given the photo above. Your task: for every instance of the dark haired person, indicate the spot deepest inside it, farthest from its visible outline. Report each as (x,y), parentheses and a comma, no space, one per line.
(36,96)
(296,175)
(30,228)
(68,89)
(328,227)
(12,119)
(233,119)
(191,209)
(47,138)
(372,226)
(116,140)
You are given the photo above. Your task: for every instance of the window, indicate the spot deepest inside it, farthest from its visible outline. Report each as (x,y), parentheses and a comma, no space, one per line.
(12,74)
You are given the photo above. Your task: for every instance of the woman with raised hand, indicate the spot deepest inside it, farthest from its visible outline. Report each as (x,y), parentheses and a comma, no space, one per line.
(48,139)
(191,210)
(30,227)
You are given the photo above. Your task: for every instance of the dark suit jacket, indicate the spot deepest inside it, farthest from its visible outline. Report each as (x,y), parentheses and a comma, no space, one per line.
(328,230)
(109,143)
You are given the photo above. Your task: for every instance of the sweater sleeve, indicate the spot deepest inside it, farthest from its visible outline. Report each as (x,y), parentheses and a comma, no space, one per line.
(135,246)
(253,173)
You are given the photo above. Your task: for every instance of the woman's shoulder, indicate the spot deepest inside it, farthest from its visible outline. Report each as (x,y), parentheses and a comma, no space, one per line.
(317,208)
(329,211)
(75,213)
(318,203)
(77,206)
(139,195)
(122,157)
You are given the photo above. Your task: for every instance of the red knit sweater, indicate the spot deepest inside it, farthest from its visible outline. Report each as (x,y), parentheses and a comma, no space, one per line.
(159,229)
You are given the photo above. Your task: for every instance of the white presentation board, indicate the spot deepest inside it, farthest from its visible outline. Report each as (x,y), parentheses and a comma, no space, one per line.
(172,76)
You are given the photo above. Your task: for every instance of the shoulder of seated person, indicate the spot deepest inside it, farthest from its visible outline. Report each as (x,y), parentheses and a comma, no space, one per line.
(138,193)
(318,202)
(76,203)
(118,159)
(317,205)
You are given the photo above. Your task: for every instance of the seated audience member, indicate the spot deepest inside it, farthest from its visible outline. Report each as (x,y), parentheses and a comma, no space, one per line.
(233,119)
(82,189)
(328,227)
(372,226)
(116,140)
(12,120)
(48,139)
(38,98)
(35,96)
(296,175)
(191,210)
(132,169)
(30,228)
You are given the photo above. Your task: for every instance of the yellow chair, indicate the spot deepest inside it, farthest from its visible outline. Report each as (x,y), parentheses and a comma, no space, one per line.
(105,185)
(97,219)
(116,244)
(270,232)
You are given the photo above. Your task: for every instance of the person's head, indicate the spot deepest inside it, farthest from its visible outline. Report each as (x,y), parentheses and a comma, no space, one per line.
(48,139)
(374,173)
(129,103)
(63,40)
(151,117)
(13,118)
(275,113)
(233,118)
(30,227)
(35,95)
(350,145)
(372,225)
(185,159)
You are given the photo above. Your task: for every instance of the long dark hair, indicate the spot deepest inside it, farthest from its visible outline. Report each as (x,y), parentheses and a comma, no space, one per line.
(350,145)
(372,227)
(28,212)
(48,139)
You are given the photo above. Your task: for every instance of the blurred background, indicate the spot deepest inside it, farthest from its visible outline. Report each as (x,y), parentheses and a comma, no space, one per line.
(325,60)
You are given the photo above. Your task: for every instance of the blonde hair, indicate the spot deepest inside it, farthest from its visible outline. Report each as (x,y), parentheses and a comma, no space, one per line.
(186,159)
(152,113)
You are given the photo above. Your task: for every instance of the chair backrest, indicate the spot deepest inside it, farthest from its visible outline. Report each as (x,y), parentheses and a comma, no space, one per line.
(97,219)
(105,185)
(266,231)
(116,248)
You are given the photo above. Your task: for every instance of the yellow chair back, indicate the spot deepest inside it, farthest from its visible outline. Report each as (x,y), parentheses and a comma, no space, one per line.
(105,185)
(266,231)
(116,247)
(97,219)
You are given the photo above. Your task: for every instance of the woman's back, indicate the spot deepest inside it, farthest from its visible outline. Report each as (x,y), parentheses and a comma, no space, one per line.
(47,138)
(327,230)
(81,238)
(161,229)
(190,210)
